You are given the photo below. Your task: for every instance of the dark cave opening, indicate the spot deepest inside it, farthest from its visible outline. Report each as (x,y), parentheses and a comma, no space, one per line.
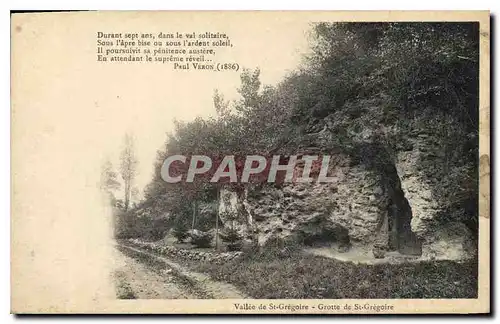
(377,157)
(401,237)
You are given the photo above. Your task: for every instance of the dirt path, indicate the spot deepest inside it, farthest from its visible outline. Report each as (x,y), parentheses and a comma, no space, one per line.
(145,275)
(134,280)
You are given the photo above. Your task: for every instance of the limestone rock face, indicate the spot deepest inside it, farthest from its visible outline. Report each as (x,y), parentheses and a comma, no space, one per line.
(441,240)
(233,213)
(354,210)
(401,206)
(350,210)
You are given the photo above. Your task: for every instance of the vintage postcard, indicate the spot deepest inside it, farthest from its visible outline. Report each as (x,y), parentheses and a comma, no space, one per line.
(250,162)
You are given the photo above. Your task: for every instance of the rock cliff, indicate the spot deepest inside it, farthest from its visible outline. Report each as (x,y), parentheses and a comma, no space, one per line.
(389,208)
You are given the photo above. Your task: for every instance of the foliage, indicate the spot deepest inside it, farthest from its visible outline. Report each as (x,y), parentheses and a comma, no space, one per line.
(241,127)
(108,183)
(180,232)
(401,81)
(158,229)
(232,238)
(128,167)
(375,87)
(201,239)
(145,221)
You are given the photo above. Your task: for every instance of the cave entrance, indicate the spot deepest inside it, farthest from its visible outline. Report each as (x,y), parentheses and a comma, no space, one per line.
(401,237)
(399,214)
(375,155)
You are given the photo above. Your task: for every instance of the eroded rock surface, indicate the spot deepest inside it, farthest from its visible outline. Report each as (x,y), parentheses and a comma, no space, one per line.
(392,210)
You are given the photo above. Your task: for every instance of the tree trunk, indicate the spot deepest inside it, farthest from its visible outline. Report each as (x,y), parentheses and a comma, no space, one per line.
(194,214)
(127,194)
(217,221)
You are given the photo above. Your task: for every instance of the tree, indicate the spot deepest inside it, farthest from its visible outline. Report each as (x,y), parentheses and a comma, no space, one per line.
(135,196)
(222,107)
(128,167)
(231,235)
(252,124)
(108,182)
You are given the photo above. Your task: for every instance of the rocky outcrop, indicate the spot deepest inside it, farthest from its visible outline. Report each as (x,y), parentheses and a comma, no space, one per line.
(233,211)
(440,240)
(392,208)
(352,210)
(392,189)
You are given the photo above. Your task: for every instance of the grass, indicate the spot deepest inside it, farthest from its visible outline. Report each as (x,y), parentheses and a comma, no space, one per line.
(298,275)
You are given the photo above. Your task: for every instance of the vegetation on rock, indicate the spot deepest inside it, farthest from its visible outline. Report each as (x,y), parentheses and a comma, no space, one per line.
(370,91)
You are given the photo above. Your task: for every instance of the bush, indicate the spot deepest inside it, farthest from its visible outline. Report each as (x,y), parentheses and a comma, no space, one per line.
(157,229)
(180,233)
(233,238)
(230,236)
(236,246)
(201,239)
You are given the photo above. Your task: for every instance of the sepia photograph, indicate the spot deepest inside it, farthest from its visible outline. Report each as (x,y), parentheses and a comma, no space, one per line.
(250,162)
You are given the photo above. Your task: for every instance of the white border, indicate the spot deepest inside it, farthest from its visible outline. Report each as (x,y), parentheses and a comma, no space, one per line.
(184,5)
